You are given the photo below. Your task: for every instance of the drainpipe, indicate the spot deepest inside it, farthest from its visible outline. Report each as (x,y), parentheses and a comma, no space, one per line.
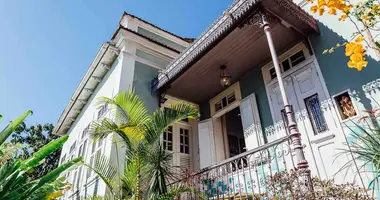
(302,164)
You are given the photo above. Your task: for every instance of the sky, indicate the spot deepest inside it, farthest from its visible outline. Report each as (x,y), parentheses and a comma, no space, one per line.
(48,45)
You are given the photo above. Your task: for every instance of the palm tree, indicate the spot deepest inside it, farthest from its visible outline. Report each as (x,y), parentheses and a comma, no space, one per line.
(15,185)
(148,167)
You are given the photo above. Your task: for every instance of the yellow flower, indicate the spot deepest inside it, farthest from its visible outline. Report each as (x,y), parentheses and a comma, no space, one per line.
(321,11)
(355,50)
(314,9)
(360,38)
(343,17)
(332,11)
(56,194)
(365,18)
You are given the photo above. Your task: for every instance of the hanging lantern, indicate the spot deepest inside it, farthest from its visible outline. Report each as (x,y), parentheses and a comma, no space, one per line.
(225,77)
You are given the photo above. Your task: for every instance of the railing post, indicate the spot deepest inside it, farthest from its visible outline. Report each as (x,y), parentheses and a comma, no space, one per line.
(302,164)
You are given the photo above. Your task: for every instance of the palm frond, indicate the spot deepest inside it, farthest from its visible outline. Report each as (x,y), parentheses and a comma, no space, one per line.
(107,171)
(159,166)
(163,118)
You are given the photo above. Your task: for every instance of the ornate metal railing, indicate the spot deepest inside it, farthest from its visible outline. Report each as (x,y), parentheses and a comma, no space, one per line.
(242,176)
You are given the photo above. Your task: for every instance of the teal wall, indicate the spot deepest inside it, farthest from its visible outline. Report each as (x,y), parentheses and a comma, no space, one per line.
(250,83)
(160,39)
(142,78)
(338,76)
(253,82)
(160,62)
(204,109)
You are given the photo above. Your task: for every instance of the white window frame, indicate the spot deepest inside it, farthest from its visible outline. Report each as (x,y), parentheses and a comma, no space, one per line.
(235,88)
(354,102)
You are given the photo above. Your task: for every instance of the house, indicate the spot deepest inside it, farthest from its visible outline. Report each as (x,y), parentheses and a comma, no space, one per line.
(239,73)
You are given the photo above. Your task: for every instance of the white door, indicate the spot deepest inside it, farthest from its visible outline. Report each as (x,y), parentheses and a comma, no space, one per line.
(206,143)
(305,94)
(253,134)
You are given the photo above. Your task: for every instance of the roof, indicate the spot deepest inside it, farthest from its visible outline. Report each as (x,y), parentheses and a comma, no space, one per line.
(231,18)
(189,40)
(143,36)
(96,71)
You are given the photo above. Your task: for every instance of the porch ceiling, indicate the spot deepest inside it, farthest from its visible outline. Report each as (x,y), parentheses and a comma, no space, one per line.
(243,50)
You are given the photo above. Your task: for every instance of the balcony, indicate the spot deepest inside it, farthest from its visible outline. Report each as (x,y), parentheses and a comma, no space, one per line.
(242,176)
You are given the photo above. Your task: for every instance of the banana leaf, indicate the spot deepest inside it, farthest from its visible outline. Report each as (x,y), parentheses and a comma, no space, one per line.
(52,176)
(44,152)
(4,134)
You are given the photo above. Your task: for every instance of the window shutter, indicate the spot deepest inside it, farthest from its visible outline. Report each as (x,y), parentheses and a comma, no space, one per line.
(250,118)
(206,143)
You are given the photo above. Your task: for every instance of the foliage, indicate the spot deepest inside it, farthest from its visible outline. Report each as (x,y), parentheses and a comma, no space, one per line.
(288,185)
(14,184)
(364,15)
(9,152)
(148,164)
(32,139)
(366,148)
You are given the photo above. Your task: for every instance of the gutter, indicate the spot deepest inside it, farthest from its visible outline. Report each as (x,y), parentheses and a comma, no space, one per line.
(80,88)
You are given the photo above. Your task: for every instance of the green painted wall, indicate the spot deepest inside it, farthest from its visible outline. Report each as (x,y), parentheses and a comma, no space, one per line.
(253,82)
(338,76)
(160,39)
(160,62)
(142,78)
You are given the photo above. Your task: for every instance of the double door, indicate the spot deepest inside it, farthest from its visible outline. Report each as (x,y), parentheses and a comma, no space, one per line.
(314,119)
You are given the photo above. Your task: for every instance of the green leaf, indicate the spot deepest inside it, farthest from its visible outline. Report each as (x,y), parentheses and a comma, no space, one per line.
(44,152)
(53,175)
(377,44)
(4,134)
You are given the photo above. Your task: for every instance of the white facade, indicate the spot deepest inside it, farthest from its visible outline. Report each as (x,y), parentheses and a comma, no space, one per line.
(130,50)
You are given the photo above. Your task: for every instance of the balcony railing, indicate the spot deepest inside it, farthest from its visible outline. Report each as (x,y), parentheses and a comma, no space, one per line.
(242,176)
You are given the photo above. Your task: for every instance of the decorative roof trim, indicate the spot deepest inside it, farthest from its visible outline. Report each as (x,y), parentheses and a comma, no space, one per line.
(143,36)
(216,32)
(189,40)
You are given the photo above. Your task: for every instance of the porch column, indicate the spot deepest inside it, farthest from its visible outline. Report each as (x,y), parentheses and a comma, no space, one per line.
(302,163)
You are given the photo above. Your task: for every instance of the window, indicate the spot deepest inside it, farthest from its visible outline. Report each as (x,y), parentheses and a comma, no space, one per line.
(316,115)
(63,159)
(84,148)
(225,101)
(102,111)
(272,73)
(74,181)
(285,65)
(100,142)
(72,148)
(91,164)
(93,147)
(184,140)
(80,150)
(297,58)
(167,140)
(79,176)
(345,106)
(288,63)
(85,131)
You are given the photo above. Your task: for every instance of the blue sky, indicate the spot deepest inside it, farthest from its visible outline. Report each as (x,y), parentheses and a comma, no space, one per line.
(47,45)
